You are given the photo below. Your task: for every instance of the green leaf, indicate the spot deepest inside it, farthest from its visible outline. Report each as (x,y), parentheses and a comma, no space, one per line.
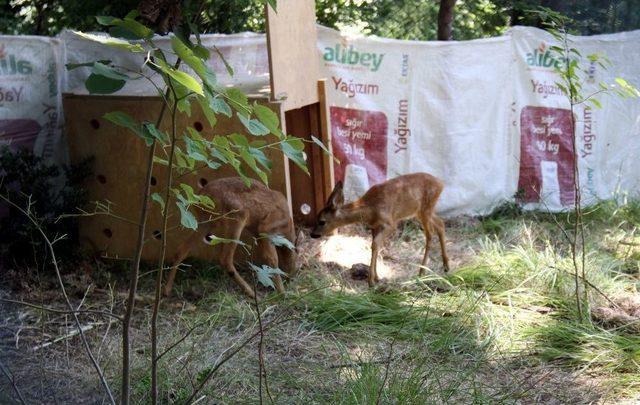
(187,219)
(268,118)
(207,110)
(195,149)
(184,98)
(157,198)
(160,161)
(137,29)
(71,66)
(323,147)
(188,190)
(254,127)
(621,82)
(153,132)
(121,32)
(251,162)
(194,62)
(128,28)
(261,157)
(238,100)
(113,42)
(98,84)
(240,140)
(124,120)
(107,71)
(292,148)
(179,76)
(224,60)
(595,102)
(201,52)
(220,106)
(106,20)
(279,240)
(265,273)
(215,240)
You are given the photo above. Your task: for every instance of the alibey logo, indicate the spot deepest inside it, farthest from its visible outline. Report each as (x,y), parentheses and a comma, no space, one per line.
(351,56)
(543,57)
(11,65)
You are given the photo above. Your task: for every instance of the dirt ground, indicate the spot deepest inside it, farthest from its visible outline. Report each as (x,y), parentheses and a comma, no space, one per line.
(42,356)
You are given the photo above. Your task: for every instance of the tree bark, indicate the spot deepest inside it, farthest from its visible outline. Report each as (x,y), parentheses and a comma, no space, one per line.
(445,20)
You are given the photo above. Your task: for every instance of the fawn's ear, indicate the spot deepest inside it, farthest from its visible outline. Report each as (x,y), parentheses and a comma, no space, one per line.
(336,199)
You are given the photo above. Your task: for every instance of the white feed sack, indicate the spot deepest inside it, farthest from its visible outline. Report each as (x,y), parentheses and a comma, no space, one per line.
(608,139)
(245,52)
(30,103)
(400,107)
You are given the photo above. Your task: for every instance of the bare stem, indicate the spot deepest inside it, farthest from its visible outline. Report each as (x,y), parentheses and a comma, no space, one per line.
(12,380)
(61,311)
(54,261)
(135,265)
(163,251)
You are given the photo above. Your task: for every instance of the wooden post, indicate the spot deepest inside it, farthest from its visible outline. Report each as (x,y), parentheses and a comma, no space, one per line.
(328,177)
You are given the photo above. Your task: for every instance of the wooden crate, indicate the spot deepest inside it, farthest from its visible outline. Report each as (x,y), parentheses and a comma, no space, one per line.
(120,167)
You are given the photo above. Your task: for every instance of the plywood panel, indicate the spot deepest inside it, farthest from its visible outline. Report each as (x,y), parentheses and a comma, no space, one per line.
(119,172)
(293,59)
(313,189)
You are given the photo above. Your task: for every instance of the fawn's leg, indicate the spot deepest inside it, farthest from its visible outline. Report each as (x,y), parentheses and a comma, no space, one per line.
(183,252)
(379,236)
(233,229)
(438,223)
(426,226)
(269,256)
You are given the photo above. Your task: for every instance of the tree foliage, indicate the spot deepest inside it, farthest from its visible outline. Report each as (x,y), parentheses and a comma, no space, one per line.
(402,19)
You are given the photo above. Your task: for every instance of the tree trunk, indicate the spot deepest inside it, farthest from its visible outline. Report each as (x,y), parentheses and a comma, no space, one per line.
(445,20)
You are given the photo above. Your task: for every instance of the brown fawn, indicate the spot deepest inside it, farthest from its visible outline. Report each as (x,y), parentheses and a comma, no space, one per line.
(381,207)
(255,209)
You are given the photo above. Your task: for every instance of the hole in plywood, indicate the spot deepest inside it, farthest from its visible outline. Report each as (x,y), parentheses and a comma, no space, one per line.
(95,124)
(198,126)
(101,179)
(202,182)
(107,232)
(153,181)
(305,209)
(157,235)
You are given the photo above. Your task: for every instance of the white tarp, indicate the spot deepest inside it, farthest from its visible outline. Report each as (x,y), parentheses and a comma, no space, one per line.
(30,101)
(246,53)
(608,139)
(485,116)
(404,106)
(459,110)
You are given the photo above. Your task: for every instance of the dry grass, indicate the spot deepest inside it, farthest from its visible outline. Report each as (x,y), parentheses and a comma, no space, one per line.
(500,329)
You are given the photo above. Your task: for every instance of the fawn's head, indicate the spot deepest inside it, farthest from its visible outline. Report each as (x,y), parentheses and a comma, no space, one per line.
(327,219)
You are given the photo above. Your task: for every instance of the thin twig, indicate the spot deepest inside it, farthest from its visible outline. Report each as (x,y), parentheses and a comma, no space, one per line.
(62,311)
(182,339)
(54,261)
(9,376)
(67,336)
(135,266)
(106,332)
(262,371)
(590,284)
(163,251)
(232,351)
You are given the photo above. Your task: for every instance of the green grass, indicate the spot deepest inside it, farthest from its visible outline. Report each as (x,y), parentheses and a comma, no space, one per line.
(502,328)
